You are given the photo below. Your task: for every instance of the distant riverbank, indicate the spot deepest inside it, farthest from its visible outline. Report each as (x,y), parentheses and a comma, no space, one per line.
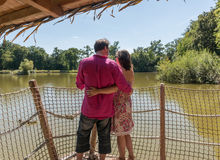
(38,71)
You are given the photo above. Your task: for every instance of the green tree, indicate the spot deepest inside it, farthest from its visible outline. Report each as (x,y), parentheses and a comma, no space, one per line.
(25,66)
(53,59)
(61,62)
(7,60)
(66,59)
(71,57)
(38,56)
(86,52)
(170,49)
(6,45)
(1,52)
(200,35)
(156,47)
(19,54)
(217,15)
(113,49)
(146,59)
(143,60)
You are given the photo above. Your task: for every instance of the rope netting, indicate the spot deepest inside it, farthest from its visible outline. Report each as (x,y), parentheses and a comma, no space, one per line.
(20,130)
(191,124)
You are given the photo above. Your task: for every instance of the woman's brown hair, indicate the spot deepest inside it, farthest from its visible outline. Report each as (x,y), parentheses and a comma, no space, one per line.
(124,59)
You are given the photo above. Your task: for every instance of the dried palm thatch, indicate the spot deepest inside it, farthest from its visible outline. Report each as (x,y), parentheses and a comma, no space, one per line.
(68,14)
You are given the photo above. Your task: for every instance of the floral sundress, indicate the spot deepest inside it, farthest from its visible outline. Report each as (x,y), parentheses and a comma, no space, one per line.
(122,122)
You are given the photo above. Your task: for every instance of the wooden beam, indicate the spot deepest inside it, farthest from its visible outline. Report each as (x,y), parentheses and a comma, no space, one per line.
(47,6)
(70,4)
(2,2)
(17,15)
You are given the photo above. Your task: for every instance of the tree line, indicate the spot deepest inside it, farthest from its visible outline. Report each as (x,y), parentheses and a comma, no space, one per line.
(12,55)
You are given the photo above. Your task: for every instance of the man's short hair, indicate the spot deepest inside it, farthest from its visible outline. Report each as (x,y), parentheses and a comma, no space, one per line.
(101,44)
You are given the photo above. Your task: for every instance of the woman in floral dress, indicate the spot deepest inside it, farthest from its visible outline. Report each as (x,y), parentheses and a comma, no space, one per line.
(122,122)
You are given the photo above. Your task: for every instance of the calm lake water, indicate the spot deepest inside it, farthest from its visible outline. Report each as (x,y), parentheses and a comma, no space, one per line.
(9,83)
(197,129)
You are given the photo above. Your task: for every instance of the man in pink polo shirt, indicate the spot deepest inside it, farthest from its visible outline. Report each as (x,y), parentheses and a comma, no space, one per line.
(98,71)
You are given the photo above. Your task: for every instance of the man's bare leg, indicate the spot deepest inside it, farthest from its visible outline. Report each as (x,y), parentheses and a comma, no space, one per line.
(79,156)
(93,142)
(93,139)
(102,156)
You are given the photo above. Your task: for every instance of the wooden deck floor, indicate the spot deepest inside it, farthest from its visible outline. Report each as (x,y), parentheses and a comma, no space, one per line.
(107,158)
(86,157)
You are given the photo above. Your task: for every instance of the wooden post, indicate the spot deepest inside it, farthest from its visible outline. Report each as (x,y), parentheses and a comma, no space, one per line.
(43,120)
(162,122)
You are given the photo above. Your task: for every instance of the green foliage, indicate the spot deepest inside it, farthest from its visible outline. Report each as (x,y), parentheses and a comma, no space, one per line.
(113,48)
(145,59)
(88,51)
(72,57)
(170,49)
(7,60)
(142,60)
(11,55)
(38,56)
(217,15)
(156,47)
(19,54)
(25,66)
(192,67)
(200,35)
(53,62)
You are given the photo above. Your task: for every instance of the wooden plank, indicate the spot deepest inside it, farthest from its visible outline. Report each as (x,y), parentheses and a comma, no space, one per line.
(76,4)
(19,14)
(47,6)
(11,6)
(2,2)
(62,2)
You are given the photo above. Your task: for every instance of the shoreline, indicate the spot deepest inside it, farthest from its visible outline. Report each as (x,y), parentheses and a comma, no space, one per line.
(37,71)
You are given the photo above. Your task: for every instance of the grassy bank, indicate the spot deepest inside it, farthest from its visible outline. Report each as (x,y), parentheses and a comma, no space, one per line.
(38,71)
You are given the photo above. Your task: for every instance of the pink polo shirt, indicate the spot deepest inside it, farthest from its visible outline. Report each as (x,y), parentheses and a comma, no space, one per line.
(99,71)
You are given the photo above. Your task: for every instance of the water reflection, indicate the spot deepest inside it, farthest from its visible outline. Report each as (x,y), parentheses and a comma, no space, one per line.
(9,83)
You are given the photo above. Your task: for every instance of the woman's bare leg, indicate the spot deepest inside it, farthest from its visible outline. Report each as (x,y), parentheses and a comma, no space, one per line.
(129,146)
(121,146)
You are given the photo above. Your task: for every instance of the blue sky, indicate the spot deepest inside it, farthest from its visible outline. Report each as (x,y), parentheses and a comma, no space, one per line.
(133,27)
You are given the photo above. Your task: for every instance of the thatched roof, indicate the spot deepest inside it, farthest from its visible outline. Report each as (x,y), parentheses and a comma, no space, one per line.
(25,14)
